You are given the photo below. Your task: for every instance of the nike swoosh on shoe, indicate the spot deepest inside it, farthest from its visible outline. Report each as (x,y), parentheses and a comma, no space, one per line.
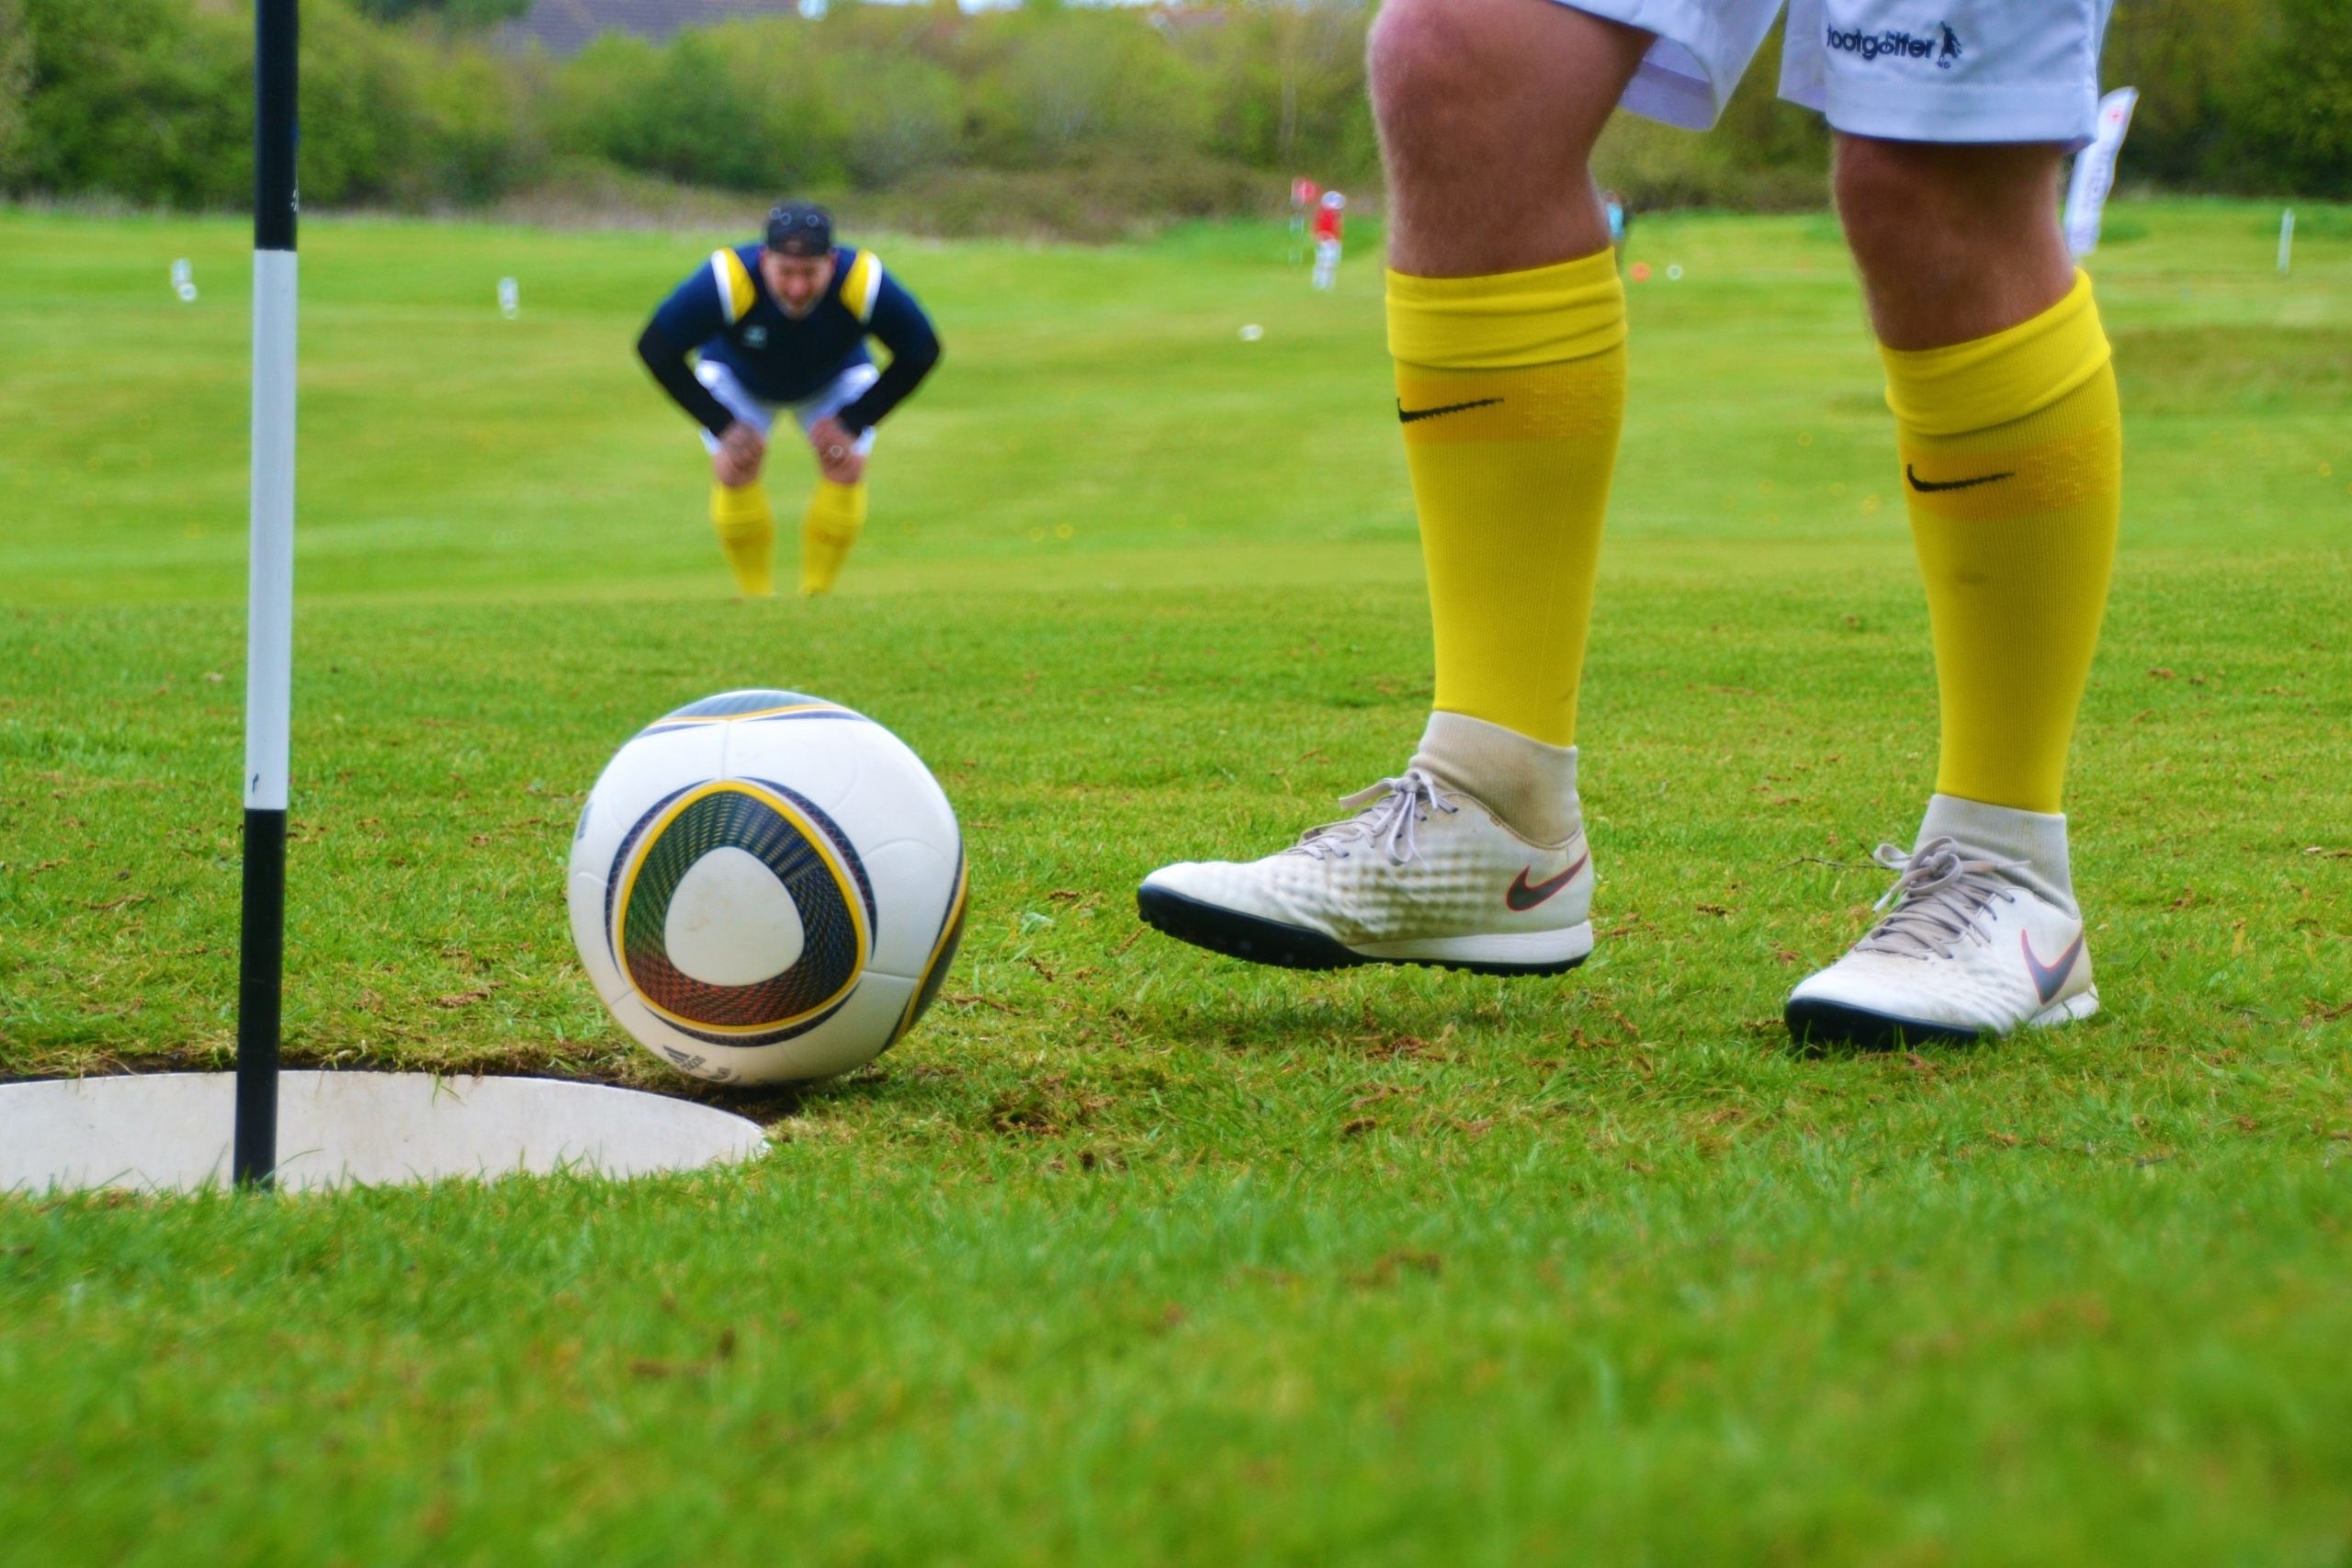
(2048,978)
(1521,896)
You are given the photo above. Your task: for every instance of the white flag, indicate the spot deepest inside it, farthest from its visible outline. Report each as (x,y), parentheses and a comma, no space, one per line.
(2095,171)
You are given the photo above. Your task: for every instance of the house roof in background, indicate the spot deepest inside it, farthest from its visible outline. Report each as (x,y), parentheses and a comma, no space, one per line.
(563,27)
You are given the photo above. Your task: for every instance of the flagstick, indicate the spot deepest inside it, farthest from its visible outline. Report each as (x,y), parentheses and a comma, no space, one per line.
(269,627)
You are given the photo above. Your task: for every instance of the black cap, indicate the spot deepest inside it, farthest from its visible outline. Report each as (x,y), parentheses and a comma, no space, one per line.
(799,229)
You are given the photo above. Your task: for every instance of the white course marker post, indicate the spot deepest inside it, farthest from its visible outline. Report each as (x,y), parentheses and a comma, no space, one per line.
(269,617)
(2285,241)
(2094,174)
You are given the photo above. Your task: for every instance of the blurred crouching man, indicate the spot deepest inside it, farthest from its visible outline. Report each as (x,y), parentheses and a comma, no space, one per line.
(780,325)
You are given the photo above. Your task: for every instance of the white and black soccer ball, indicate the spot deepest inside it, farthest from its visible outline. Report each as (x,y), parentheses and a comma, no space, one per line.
(767,887)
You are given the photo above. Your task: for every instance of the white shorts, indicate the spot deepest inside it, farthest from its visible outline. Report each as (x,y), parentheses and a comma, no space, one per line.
(760,414)
(1897,70)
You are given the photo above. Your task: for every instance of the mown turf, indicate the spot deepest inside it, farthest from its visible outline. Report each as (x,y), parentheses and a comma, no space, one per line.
(1131,1253)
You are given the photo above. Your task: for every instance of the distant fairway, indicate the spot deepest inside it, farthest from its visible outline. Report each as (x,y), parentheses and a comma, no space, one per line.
(1132,1253)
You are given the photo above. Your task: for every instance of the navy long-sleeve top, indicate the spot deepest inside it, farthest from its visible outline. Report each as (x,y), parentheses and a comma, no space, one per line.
(724,310)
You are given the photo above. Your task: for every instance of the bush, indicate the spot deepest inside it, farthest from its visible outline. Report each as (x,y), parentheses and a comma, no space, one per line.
(152,100)
(794,121)
(145,100)
(2184,56)
(895,118)
(364,121)
(1112,200)
(16,80)
(1076,83)
(678,111)
(1286,86)
(482,133)
(1046,118)
(2294,111)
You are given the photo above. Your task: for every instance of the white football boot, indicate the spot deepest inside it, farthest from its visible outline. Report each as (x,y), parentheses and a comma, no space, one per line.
(1983,938)
(1425,873)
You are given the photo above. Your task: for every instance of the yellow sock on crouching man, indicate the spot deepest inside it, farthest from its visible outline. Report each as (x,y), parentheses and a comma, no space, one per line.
(836,515)
(2012,451)
(745,523)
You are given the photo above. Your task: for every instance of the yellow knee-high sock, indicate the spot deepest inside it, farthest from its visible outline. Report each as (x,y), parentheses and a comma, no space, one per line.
(746,527)
(836,513)
(2012,450)
(1511,390)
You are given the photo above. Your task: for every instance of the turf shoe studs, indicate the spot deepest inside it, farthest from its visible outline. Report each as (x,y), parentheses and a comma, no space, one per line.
(1966,951)
(1420,875)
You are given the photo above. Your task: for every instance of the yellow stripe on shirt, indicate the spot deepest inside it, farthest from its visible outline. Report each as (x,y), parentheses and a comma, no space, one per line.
(736,291)
(863,284)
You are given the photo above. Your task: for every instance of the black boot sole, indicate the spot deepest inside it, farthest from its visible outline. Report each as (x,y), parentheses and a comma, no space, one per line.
(1818,1023)
(1260,940)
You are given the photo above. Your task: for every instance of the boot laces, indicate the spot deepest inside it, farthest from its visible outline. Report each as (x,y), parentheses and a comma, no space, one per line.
(1938,900)
(1391,809)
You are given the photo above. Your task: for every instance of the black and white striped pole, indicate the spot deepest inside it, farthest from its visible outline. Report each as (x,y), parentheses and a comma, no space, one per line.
(269,623)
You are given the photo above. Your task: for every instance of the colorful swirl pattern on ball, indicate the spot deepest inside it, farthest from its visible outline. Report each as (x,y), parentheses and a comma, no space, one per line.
(807,854)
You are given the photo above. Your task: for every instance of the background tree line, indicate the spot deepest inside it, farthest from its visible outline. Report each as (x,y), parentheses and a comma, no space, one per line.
(1068,118)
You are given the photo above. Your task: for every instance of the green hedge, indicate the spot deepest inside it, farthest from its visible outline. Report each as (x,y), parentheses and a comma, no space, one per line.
(152,100)
(16,81)
(1071,117)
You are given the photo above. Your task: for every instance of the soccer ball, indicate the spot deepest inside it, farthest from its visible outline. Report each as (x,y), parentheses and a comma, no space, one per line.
(766,888)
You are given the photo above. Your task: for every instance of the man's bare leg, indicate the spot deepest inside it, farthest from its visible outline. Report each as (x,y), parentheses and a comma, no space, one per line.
(1954,243)
(1504,299)
(1488,110)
